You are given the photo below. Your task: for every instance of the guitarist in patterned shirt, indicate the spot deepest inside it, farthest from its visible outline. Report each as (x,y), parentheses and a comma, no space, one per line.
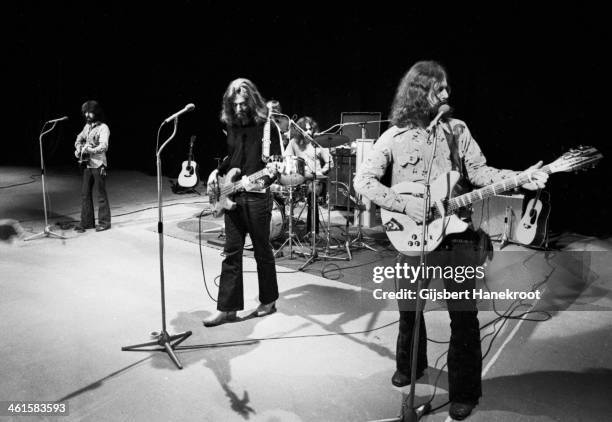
(406,147)
(90,148)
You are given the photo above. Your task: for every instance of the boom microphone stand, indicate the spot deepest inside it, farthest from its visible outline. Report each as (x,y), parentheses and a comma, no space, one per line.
(163,339)
(47,230)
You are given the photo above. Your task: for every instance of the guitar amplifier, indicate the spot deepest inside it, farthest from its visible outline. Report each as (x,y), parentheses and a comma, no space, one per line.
(340,178)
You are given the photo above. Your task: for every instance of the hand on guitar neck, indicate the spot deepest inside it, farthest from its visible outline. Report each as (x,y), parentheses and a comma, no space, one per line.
(405,229)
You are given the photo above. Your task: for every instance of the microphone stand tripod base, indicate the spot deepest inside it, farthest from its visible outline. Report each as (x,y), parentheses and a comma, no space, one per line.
(164,340)
(45,233)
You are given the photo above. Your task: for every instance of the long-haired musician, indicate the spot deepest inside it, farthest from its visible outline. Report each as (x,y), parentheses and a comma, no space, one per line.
(318,162)
(407,147)
(245,114)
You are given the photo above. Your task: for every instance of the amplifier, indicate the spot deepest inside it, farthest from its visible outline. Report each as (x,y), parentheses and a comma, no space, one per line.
(340,178)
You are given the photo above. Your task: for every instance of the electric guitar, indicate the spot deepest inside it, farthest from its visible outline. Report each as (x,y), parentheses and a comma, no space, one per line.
(222,190)
(406,235)
(188,177)
(533,227)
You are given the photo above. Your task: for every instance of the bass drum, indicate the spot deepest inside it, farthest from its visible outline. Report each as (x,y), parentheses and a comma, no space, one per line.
(277,222)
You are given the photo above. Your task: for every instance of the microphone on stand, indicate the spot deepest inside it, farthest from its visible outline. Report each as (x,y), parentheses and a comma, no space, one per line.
(444,108)
(188,107)
(58,120)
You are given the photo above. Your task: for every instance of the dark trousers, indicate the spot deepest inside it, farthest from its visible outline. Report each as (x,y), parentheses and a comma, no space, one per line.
(94,181)
(321,191)
(464,352)
(252,215)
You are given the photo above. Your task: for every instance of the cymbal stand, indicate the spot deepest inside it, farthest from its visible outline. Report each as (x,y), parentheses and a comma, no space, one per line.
(314,255)
(292,237)
(346,245)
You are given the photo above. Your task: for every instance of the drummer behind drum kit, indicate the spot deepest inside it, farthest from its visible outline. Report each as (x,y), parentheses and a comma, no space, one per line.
(294,182)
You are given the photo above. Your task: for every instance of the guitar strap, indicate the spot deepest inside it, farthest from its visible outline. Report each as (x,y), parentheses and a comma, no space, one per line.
(457,164)
(463,185)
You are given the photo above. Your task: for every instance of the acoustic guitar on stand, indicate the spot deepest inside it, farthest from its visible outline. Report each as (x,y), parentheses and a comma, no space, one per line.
(188,178)
(406,235)
(533,227)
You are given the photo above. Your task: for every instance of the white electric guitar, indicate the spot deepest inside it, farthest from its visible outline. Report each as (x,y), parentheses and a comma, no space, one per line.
(222,190)
(406,235)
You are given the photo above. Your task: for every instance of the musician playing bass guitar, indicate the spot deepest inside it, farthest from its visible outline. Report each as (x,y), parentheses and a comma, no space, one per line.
(245,114)
(407,147)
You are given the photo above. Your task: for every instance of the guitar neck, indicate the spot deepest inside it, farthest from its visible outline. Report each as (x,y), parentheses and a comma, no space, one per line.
(495,189)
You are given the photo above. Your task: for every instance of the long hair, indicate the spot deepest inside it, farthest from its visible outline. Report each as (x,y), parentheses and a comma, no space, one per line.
(255,103)
(297,134)
(410,105)
(92,106)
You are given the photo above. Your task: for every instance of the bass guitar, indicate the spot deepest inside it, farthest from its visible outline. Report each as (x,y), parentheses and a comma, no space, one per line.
(406,235)
(222,190)
(188,177)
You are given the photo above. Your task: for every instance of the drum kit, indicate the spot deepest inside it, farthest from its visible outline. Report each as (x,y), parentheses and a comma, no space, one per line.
(293,185)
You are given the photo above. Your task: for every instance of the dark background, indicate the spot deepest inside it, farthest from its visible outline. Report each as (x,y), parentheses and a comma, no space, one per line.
(529,83)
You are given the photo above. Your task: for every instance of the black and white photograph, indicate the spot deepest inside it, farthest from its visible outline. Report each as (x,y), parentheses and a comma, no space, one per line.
(295,212)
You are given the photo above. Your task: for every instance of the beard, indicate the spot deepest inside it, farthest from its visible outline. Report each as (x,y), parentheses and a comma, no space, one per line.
(244,118)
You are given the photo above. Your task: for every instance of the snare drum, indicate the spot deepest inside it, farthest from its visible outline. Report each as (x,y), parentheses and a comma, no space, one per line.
(292,171)
(277,222)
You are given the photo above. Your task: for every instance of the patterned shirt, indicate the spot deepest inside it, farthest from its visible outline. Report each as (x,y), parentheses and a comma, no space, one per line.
(95,136)
(409,152)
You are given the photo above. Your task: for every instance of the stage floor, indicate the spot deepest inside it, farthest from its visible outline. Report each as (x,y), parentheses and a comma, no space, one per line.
(68,306)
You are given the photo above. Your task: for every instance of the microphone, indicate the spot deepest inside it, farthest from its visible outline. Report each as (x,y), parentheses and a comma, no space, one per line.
(444,108)
(188,107)
(58,120)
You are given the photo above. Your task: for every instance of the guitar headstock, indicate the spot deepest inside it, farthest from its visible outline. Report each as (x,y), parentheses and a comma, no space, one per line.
(580,158)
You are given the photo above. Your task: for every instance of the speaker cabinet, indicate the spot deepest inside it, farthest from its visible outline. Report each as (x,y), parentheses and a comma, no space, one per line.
(354,132)
(340,181)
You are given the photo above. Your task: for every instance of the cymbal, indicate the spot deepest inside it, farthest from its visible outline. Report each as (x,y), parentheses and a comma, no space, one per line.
(331,141)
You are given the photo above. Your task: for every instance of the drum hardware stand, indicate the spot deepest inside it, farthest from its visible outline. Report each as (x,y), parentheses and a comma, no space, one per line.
(346,241)
(314,255)
(292,237)
(47,230)
(359,240)
(166,341)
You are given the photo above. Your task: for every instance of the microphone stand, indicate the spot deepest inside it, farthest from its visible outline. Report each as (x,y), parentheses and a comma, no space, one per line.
(409,413)
(47,230)
(163,339)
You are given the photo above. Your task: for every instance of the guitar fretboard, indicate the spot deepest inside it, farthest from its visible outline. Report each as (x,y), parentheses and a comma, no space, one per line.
(505,185)
(236,186)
